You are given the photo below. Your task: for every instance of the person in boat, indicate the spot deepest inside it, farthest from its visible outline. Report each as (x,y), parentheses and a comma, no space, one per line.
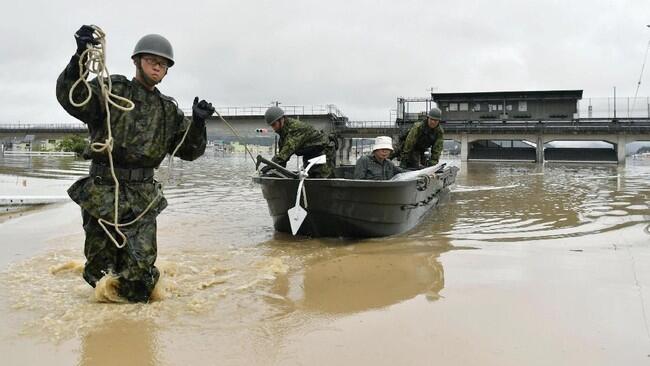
(301,139)
(142,137)
(420,137)
(377,166)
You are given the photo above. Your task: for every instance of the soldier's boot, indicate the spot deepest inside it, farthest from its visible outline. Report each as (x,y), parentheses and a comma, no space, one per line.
(139,289)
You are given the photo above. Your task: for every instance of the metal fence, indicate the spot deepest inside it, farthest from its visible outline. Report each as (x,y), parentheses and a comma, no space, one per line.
(366,124)
(76,126)
(288,109)
(610,107)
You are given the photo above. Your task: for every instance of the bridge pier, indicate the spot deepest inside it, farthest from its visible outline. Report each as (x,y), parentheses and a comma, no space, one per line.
(620,148)
(540,149)
(464,147)
(345,149)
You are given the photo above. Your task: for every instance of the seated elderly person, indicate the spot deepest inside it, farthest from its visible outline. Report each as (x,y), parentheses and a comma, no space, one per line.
(377,166)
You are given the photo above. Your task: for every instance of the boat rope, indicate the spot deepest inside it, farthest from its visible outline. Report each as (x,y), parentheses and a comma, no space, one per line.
(238,136)
(93,60)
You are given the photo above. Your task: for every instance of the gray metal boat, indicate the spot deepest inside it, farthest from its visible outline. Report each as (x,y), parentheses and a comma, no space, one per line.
(342,207)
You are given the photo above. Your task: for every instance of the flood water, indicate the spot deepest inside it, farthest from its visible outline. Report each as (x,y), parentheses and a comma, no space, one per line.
(525,264)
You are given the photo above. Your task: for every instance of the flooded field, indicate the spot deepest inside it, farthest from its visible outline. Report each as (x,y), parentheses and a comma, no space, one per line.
(525,264)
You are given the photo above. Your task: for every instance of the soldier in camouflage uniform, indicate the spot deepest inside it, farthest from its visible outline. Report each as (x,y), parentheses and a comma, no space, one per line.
(377,166)
(422,136)
(142,139)
(303,140)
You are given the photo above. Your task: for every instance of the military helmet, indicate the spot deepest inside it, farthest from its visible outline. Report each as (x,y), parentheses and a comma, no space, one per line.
(435,113)
(155,44)
(273,114)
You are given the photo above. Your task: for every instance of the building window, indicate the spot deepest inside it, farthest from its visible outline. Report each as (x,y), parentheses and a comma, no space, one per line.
(463,107)
(523,106)
(508,107)
(52,142)
(453,107)
(477,107)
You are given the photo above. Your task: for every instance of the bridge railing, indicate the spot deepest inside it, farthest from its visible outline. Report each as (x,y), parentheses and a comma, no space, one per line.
(42,126)
(365,124)
(288,109)
(590,125)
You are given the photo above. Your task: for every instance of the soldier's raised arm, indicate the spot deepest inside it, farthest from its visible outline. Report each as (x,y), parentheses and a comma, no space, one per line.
(92,111)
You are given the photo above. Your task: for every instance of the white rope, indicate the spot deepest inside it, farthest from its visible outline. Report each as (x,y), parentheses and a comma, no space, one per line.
(239,136)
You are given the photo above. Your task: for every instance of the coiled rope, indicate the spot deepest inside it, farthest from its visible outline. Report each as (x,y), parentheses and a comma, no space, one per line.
(94,60)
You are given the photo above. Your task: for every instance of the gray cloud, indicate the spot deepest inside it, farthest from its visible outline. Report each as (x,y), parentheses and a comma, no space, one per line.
(359,55)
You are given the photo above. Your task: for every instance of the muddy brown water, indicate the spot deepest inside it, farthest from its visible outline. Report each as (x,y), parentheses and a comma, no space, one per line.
(525,264)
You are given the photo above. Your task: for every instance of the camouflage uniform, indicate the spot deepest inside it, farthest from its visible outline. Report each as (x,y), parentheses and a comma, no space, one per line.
(303,140)
(368,167)
(419,138)
(142,139)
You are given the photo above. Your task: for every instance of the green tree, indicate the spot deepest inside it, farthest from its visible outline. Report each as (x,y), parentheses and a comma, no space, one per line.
(74,143)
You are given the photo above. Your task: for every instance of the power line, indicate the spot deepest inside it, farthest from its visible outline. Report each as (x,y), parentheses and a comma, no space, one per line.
(641,76)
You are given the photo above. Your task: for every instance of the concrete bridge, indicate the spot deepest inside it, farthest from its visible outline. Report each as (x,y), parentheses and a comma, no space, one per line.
(510,140)
(518,140)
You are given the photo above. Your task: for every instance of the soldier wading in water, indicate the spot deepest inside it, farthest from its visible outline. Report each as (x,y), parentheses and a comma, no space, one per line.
(142,137)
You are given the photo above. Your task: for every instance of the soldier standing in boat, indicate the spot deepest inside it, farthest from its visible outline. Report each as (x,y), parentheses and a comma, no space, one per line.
(301,139)
(142,137)
(377,166)
(420,137)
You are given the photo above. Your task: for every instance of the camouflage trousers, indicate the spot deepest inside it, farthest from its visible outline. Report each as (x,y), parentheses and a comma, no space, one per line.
(415,160)
(133,264)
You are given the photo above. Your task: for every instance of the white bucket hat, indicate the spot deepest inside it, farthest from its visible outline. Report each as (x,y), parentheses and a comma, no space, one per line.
(383,142)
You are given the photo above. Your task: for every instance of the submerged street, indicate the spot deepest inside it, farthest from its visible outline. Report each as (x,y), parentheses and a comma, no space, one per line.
(524,264)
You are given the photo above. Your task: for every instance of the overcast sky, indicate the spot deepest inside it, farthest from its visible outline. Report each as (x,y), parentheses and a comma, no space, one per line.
(358,55)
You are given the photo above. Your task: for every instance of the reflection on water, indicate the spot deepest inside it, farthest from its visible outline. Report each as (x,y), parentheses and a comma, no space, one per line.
(120,342)
(227,274)
(370,278)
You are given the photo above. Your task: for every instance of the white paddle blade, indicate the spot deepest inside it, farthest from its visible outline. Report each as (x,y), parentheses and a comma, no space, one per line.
(296,215)
(318,160)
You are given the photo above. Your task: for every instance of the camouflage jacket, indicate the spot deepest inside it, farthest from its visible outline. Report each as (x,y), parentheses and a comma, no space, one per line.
(301,139)
(419,138)
(142,139)
(368,167)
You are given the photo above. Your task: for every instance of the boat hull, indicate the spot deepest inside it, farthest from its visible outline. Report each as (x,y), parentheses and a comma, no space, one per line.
(355,208)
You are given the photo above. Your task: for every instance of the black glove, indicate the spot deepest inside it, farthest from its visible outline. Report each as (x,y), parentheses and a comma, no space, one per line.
(84,36)
(265,169)
(201,110)
(279,161)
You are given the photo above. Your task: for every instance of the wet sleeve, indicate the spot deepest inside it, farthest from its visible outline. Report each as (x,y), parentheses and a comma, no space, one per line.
(194,144)
(410,142)
(396,169)
(292,142)
(436,149)
(360,168)
(91,112)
